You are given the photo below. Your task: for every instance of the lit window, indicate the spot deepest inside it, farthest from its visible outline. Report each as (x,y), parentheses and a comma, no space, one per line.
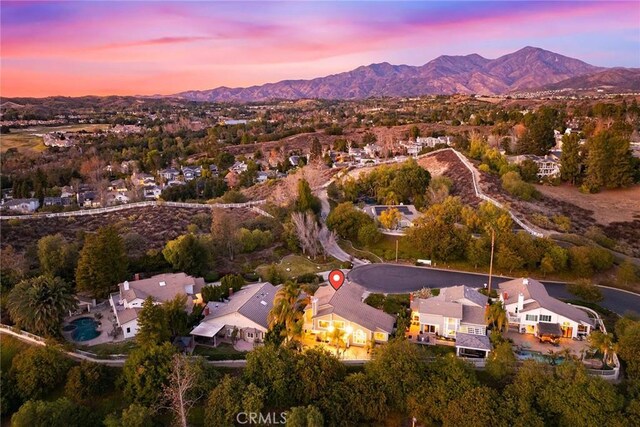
(380,336)
(323,324)
(338,324)
(532,318)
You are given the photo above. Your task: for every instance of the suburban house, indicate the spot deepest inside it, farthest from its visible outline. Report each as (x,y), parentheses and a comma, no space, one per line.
(457,312)
(548,166)
(191,172)
(88,199)
(531,309)
(239,167)
(245,312)
(127,302)
(22,205)
(152,192)
(169,174)
(142,179)
(345,310)
(408,213)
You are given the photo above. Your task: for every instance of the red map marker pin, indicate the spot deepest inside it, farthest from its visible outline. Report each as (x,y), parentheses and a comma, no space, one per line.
(336,279)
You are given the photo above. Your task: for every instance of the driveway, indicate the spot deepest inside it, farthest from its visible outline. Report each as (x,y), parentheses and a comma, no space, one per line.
(393,278)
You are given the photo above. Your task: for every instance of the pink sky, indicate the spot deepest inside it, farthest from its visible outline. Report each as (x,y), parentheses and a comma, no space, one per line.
(126,48)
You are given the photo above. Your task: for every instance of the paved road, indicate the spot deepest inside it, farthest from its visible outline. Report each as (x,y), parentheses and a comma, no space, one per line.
(391,278)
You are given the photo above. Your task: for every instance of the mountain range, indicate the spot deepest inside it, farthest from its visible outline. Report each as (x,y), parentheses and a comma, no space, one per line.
(527,68)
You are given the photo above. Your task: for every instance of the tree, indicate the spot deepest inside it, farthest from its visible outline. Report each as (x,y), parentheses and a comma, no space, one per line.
(366,401)
(61,412)
(57,257)
(570,161)
(223,231)
(288,310)
(414,132)
(512,182)
(398,355)
(270,368)
(369,235)
(603,343)
(181,391)
(187,253)
(133,416)
(153,328)
(475,407)
(496,317)
(538,137)
(306,200)
(40,304)
(390,218)
(609,161)
(176,315)
(229,399)
(627,273)
(307,232)
(585,290)
(301,416)
(629,346)
(346,220)
(146,371)
(317,371)
(38,371)
(507,259)
(316,149)
(529,170)
(86,381)
(102,263)
(501,363)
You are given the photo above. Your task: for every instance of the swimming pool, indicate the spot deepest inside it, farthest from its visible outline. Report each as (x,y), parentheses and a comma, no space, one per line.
(85,329)
(538,357)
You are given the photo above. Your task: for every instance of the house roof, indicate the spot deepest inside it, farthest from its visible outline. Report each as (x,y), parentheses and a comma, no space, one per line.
(439,307)
(476,342)
(161,287)
(473,314)
(127,315)
(534,290)
(545,328)
(456,293)
(347,303)
(207,329)
(253,302)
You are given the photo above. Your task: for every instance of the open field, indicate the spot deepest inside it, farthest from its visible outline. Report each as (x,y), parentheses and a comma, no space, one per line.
(607,206)
(31,138)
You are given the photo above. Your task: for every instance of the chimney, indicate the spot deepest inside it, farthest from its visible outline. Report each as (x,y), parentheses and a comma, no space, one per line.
(126,285)
(520,301)
(205,312)
(230,292)
(525,282)
(136,276)
(314,306)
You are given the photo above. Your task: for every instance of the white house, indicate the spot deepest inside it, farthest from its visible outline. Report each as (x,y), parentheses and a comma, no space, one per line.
(127,302)
(457,312)
(530,308)
(245,312)
(22,205)
(408,213)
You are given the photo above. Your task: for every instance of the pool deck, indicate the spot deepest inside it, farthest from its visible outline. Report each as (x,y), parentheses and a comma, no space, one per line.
(531,342)
(106,326)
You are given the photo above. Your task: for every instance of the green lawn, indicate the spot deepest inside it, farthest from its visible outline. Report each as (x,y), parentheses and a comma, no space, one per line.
(223,351)
(386,249)
(106,349)
(298,265)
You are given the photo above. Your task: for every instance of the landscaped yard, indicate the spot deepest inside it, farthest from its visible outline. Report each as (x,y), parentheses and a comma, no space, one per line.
(106,349)
(293,266)
(223,351)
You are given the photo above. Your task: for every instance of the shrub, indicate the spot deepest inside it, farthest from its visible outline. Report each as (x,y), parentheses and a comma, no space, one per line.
(585,290)
(512,183)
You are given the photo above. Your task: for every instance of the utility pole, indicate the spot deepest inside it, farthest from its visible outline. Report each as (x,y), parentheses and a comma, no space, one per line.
(493,240)
(397,240)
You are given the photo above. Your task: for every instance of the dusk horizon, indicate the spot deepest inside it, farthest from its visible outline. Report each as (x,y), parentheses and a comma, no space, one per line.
(162,48)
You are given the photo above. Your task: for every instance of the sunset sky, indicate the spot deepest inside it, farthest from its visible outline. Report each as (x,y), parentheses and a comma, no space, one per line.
(125,48)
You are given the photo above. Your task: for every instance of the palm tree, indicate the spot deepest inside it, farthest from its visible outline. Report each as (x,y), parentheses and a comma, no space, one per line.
(288,310)
(338,340)
(40,304)
(603,343)
(496,315)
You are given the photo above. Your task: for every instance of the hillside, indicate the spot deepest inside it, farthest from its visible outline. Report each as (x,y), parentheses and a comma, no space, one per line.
(615,79)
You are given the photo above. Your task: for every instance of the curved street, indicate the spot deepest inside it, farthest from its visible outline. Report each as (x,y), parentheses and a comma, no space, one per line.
(392,278)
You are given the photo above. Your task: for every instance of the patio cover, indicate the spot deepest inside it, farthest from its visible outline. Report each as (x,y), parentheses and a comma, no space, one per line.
(551,329)
(474,342)
(206,329)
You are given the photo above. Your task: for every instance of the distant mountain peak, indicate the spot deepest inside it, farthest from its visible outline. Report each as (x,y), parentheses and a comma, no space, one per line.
(526,68)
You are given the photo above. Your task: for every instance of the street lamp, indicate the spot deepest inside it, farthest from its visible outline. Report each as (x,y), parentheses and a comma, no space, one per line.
(493,240)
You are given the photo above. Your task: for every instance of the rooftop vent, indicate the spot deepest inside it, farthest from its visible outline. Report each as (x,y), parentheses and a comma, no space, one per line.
(525,281)
(163,283)
(263,303)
